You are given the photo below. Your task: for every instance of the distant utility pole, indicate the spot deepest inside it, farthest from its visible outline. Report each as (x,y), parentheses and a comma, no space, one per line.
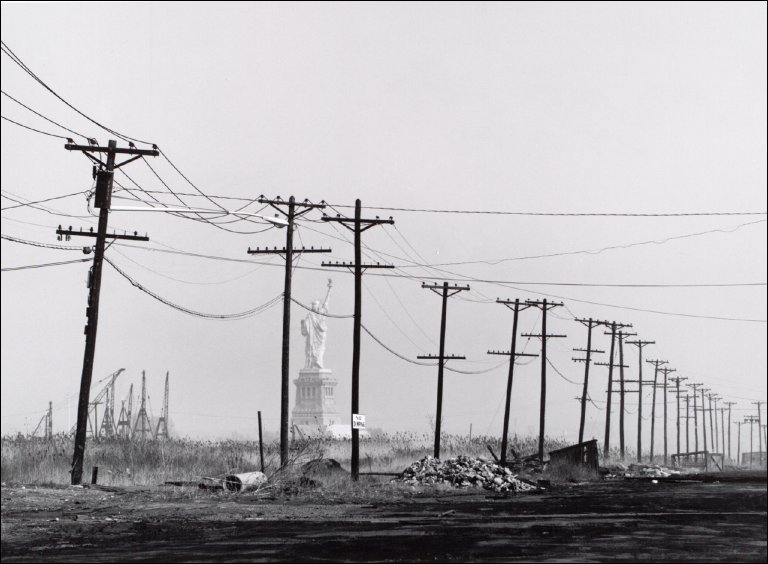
(677,380)
(666,371)
(545,306)
(722,429)
(614,327)
(712,428)
(589,324)
(640,344)
(103,174)
(752,419)
(729,404)
(287,252)
(656,364)
(445,292)
(704,417)
(357,225)
(687,420)
(513,356)
(695,416)
(759,428)
(738,443)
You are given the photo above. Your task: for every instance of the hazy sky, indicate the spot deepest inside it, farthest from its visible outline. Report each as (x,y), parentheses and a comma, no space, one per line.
(518,107)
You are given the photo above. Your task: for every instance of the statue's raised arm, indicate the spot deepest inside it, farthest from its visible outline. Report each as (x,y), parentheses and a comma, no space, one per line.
(328,295)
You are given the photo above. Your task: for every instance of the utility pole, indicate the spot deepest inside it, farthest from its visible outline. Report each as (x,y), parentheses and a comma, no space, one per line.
(357,225)
(545,306)
(622,336)
(751,419)
(729,404)
(666,371)
(640,344)
(687,420)
(759,428)
(104,176)
(656,364)
(513,355)
(738,443)
(445,292)
(614,326)
(695,416)
(589,324)
(704,418)
(287,252)
(722,429)
(712,431)
(162,423)
(677,380)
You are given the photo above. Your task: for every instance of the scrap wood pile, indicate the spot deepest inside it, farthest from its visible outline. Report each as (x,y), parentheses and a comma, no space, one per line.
(464,472)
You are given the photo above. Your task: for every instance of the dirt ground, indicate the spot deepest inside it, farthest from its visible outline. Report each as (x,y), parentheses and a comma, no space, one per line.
(624,520)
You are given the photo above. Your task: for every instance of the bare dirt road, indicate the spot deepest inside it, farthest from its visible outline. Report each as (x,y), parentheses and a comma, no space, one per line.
(617,521)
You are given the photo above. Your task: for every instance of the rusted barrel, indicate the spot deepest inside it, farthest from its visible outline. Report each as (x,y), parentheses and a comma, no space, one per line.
(244,482)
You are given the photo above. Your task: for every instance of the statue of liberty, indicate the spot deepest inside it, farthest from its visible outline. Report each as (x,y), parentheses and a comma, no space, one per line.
(314,328)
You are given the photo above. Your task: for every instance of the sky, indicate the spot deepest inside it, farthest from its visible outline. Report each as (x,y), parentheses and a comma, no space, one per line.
(520,108)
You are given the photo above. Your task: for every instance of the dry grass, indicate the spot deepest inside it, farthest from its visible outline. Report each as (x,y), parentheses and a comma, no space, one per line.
(121,463)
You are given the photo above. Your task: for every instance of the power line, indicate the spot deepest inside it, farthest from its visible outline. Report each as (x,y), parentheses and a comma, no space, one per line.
(225,316)
(35,130)
(494,262)
(42,116)
(554,214)
(45,264)
(22,204)
(15,58)
(37,244)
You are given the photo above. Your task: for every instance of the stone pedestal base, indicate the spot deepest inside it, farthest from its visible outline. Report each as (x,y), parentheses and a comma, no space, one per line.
(315,405)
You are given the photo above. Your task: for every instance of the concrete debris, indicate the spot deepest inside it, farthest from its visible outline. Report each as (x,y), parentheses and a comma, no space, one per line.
(464,472)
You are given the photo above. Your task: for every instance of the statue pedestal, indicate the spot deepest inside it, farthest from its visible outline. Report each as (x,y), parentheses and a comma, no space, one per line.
(315,406)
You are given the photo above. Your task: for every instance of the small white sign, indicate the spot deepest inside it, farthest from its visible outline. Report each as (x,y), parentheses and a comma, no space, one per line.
(358,421)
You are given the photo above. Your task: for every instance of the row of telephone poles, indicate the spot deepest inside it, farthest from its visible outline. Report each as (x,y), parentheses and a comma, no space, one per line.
(291,210)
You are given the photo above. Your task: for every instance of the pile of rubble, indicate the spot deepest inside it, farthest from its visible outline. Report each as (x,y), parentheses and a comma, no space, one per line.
(464,472)
(639,471)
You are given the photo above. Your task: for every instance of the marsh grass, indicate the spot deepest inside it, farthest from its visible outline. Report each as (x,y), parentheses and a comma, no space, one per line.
(136,463)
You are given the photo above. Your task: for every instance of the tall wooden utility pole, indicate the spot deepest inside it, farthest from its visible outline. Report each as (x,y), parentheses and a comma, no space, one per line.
(722,429)
(677,380)
(357,225)
(712,430)
(729,404)
(622,335)
(513,355)
(704,417)
(656,365)
(614,327)
(287,252)
(640,344)
(751,420)
(587,360)
(687,421)
(666,371)
(445,292)
(104,174)
(759,428)
(695,387)
(738,443)
(545,306)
